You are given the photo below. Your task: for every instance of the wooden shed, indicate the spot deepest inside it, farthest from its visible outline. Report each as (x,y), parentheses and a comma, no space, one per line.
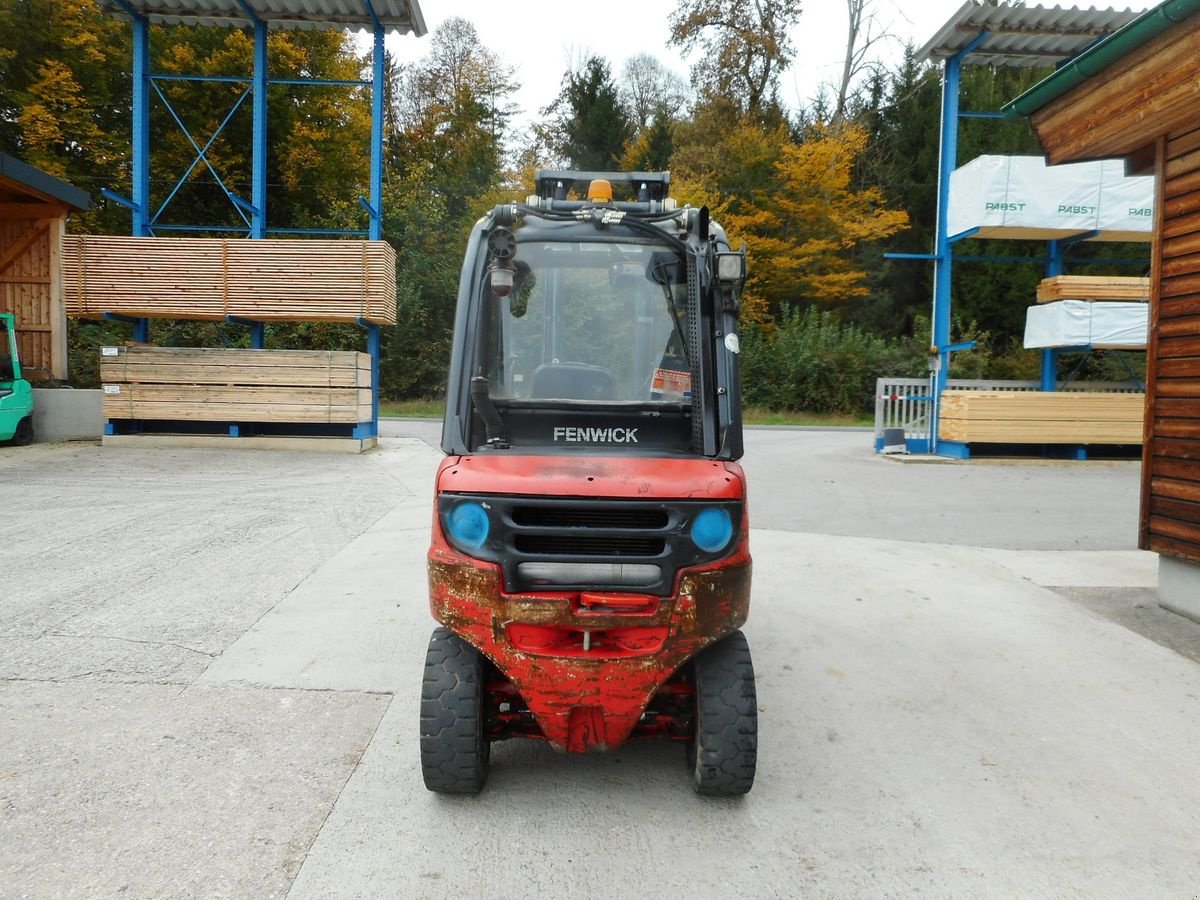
(1136,95)
(33,213)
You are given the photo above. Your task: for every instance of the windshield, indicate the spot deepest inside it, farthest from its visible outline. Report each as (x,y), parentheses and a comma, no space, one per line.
(592,321)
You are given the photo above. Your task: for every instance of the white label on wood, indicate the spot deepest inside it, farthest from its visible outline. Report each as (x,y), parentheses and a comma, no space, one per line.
(112,389)
(110,351)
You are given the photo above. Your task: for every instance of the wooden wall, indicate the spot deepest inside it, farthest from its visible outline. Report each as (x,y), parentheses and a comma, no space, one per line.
(1148,92)
(1170,520)
(31,236)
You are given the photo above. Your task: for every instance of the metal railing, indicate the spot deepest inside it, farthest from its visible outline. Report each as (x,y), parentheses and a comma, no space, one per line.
(907,403)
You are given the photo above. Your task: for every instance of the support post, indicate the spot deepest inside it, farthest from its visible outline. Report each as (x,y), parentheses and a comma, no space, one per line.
(258,174)
(943,260)
(1055,264)
(375,228)
(141,126)
(258,330)
(1049,369)
(374,349)
(141,327)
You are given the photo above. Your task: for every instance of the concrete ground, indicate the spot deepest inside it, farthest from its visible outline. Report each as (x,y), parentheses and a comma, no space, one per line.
(210,663)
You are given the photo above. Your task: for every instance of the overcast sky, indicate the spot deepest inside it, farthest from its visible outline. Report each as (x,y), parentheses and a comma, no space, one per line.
(541,38)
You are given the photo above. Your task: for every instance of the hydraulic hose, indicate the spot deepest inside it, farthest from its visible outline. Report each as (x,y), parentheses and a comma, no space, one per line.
(481,399)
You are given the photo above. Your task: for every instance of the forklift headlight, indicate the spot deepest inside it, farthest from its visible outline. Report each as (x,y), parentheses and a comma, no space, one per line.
(731,268)
(468,525)
(712,529)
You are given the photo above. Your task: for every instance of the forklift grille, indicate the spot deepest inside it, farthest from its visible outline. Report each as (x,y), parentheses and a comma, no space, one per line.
(589,517)
(588,545)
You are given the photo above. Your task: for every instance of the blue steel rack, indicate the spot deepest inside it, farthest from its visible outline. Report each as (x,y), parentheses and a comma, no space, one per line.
(1001,35)
(378,16)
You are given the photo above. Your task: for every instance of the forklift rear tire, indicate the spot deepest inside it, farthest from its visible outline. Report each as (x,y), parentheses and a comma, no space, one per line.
(454,751)
(23,436)
(724,754)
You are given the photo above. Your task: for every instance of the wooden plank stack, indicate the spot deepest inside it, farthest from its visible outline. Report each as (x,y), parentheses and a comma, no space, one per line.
(218,385)
(1037,417)
(211,278)
(1092,287)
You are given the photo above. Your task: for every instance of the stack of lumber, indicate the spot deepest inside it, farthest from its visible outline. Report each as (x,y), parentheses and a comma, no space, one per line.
(1092,287)
(211,278)
(1036,417)
(216,385)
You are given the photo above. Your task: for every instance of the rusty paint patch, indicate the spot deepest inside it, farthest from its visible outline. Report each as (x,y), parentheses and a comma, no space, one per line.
(466,595)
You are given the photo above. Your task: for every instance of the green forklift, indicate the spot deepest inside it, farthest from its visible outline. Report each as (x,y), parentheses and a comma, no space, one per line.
(16,396)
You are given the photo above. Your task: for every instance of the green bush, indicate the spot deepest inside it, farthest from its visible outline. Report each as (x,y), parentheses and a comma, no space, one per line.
(814,362)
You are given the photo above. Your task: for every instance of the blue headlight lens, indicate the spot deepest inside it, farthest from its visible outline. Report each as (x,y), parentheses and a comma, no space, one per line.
(712,529)
(468,525)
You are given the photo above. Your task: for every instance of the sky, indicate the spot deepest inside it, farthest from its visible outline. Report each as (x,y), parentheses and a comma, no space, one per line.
(541,39)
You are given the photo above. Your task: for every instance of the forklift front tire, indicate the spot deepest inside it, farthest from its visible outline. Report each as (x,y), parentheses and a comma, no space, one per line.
(23,436)
(454,750)
(724,755)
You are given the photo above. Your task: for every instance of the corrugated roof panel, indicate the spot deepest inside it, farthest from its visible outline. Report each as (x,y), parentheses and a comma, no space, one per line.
(1022,35)
(403,16)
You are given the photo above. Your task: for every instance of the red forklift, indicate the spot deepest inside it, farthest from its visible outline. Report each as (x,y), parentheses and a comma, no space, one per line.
(590,565)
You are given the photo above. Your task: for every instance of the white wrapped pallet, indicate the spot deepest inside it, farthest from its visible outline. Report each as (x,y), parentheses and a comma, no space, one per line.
(1080,323)
(1020,197)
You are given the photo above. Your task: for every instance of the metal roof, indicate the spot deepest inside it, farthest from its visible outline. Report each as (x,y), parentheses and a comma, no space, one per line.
(1022,36)
(25,181)
(403,16)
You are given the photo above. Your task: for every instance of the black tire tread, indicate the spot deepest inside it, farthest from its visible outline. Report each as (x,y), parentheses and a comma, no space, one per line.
(726,744)
(23,436)
(454,753)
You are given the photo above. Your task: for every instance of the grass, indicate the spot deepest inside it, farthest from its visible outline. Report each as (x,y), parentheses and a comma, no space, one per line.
(412,409)
(757,415)
(433,409)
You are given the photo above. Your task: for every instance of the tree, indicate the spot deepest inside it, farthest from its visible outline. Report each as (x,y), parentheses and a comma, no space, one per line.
(804,225)
(593,125)
(445,163)
(649,90)
(653,147)
(744,46)
(654,97)
(64,93)
(862,34)
(453,109)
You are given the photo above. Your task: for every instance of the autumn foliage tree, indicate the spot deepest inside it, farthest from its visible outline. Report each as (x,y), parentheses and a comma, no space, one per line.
(64,90)
(805,224)
(445,162)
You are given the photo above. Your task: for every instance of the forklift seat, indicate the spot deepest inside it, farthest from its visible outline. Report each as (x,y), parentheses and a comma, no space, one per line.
(572,381)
